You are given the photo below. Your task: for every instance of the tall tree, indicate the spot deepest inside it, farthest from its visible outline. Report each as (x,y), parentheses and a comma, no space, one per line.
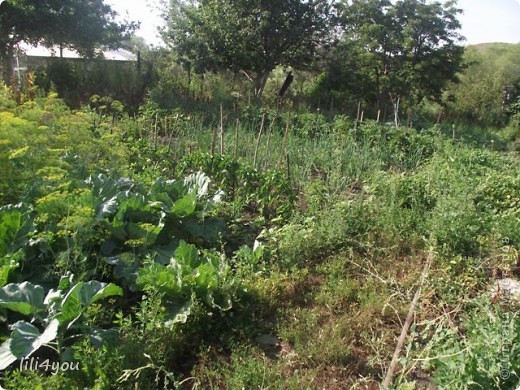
(429,55)
(248,36)
(83,25)
(405,50)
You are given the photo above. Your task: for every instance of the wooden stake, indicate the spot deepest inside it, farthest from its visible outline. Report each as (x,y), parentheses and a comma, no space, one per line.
(396,112)
(284,141)
(156,131)
(213,141)
(258,139)
(236,137)
(269,133)
(170,136)
(439,116)
(221,130)
(378,115)
(288,168)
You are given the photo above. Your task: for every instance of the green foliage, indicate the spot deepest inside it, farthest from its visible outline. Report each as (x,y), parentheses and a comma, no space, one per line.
(42,143)
(512,131)
(457,227)
(249,369)
(499,194)
(100,225)
(333,227)
(341,214)
(6,101)
(24,298)
(177,86)
(250,261)
(80,296)
(15,225)
(58,310)
(312,125)
(169,211)
(456,198)
(481,352)
(188,275)
(76,82)
(407,50)
(244,37)
(268,192)
(105,218)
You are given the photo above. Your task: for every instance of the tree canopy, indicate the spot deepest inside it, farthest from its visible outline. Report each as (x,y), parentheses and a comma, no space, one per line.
(252,37)
(406,50)
(82,25)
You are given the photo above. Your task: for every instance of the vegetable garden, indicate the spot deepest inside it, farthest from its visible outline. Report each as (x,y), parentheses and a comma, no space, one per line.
(260,250)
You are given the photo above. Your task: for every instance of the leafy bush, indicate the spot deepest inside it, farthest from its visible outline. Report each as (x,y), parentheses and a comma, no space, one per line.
(315,237)
(6,100)
(189,275)
(76,82)
(312,125)
(499,194)
(482,353)
(456,226)
(42,143)
(15,225)
(57,310)
(268,192)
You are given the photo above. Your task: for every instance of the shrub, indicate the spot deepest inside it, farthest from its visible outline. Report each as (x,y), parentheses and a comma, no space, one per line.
(482,353)
(270,193)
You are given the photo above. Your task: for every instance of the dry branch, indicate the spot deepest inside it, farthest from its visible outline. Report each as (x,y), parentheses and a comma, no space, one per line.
(406,327)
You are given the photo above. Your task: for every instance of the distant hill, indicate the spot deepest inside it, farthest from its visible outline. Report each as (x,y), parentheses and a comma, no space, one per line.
(493,71)
(492,46)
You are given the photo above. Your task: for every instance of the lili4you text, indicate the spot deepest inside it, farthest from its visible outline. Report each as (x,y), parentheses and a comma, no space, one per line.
(47,365)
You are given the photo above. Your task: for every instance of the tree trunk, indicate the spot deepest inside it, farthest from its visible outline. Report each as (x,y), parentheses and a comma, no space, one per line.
(379,93)
(260,81)
(396,100)
(6,62)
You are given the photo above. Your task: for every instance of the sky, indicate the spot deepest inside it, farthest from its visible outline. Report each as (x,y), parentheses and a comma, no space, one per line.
(144,11)
(483,20)
(490,21)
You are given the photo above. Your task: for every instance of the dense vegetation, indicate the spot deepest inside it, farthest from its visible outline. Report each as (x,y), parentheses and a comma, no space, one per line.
(210,232)
(120,254)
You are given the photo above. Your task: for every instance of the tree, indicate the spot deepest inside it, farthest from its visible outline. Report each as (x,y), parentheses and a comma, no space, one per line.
(82,25)
(248,36)
(401,51)
(428,53)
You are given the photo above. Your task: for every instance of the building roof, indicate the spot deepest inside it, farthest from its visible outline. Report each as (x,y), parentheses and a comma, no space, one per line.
(42,51)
